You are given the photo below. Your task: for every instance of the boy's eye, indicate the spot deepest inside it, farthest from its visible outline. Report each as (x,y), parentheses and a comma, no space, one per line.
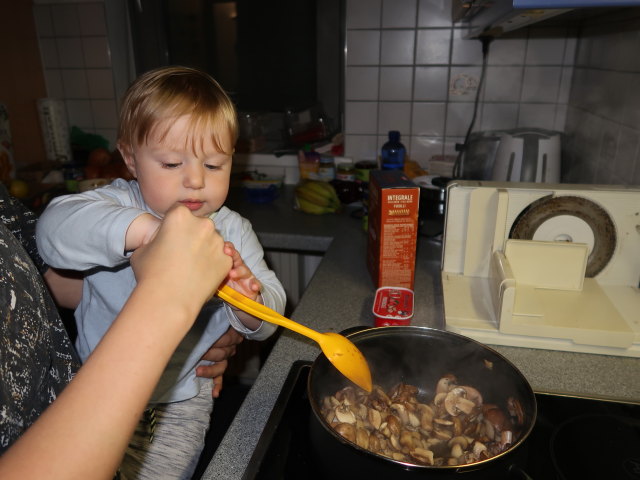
(170,165)
(212,167)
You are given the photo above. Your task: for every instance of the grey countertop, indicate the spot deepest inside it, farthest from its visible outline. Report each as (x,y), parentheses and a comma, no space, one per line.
(340,295)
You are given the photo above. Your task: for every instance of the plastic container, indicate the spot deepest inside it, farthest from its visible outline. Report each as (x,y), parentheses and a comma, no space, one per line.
(393,152)
(326,168)
(346,172)
(393,306)
(309,163)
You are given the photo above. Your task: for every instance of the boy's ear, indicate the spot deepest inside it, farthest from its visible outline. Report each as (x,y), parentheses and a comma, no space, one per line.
(127,156)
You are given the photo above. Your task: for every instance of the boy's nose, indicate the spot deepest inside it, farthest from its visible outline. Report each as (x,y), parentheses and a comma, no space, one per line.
(194,176)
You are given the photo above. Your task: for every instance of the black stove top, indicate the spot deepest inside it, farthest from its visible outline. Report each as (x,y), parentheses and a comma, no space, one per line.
(573,438)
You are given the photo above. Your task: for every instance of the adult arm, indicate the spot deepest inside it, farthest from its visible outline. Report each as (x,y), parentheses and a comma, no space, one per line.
(83,434)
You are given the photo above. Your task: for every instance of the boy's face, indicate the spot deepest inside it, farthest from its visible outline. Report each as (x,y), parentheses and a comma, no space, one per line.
(168,172)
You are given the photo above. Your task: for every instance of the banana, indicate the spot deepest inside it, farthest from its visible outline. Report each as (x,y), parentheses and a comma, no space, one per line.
(323,189)
(309,207)
(313,196)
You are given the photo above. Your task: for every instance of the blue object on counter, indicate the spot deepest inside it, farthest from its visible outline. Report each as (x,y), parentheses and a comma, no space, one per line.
(393,152)
(261,193)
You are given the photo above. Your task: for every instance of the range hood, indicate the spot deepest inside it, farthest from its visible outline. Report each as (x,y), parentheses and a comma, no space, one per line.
(496,17)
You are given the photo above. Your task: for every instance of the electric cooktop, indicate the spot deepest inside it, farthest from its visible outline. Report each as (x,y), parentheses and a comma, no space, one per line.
(573,438)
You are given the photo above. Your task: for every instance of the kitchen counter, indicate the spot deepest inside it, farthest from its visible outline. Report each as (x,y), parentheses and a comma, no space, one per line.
(340,295)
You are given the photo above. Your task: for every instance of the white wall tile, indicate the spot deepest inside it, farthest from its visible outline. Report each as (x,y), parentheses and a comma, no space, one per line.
(433,46)
(465,51)
(104,113)
(363,13)
(361,147)
(507,51)
(424,148)
(498,116)
(399,13)
(65,20)
(628,143)
(49,52)
(96,52)
(43,20)
(428,119)
(464,83)
(545,49)
(431,83)
(75,83)
(458,119)
(560,121)
(70,53)
(100,83)
(570,51)
(80,114)
(396,83)
(92,20)
(394,116)
(541,84)
(361,83)
(503,84)
(537,115)
(397,47)
(434,13)
(363,47)
(53,80)
(565,85)
(361,117)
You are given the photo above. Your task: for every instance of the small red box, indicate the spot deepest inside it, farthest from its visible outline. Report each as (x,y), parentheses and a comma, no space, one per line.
(393,228)
(393,306)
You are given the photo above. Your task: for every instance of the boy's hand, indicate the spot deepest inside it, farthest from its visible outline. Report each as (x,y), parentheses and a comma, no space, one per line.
(240,277)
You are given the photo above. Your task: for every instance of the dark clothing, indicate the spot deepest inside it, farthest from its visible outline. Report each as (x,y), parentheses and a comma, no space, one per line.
(37,359)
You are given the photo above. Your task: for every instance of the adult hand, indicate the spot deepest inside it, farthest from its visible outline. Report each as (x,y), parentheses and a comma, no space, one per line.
(185,260)
(223,349)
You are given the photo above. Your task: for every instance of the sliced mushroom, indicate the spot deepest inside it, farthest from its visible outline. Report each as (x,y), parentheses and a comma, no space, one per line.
(422,455)
(374,417)
(347,430)
(344,414)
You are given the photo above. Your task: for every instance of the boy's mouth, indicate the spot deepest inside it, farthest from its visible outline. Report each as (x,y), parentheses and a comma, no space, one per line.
(192,205)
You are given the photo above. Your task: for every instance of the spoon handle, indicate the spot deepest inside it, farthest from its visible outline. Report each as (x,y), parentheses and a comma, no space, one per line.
(256,309)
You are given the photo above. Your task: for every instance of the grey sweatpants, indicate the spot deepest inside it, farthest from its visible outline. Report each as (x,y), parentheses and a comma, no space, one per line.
(178,440)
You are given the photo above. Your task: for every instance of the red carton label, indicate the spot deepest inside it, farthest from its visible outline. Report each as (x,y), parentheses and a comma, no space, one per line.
(393,228)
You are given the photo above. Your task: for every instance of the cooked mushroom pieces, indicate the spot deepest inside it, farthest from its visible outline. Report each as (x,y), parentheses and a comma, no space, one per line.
(454,428)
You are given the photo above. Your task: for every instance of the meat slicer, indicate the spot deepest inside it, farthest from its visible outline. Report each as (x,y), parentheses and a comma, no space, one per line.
(550,266)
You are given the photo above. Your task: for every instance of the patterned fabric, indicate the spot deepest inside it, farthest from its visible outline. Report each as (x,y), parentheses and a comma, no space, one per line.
(37,359)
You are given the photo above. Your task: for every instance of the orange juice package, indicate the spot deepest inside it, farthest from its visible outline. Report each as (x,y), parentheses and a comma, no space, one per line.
(392,229)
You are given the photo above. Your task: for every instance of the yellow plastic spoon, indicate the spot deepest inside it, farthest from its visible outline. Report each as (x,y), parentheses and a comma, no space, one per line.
(339,350)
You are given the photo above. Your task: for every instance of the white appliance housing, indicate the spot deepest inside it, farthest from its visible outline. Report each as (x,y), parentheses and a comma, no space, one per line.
(533,293)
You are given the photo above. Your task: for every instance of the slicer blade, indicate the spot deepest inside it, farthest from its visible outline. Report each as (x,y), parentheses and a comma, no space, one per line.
(585,221)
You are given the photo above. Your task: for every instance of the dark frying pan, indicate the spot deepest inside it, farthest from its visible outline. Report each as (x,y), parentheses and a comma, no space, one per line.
(418,356)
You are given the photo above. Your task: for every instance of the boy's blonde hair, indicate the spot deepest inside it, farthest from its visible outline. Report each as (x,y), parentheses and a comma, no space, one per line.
(159,95)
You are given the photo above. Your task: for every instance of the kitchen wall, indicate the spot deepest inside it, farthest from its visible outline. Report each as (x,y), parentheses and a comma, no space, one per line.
(603,122)
(77,45)
(409,68)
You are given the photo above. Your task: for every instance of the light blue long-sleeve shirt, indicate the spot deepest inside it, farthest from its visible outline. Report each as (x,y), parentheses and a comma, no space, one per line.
(86,232)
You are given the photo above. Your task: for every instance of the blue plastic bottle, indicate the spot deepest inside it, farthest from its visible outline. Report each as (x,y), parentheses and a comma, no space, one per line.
(393,152)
